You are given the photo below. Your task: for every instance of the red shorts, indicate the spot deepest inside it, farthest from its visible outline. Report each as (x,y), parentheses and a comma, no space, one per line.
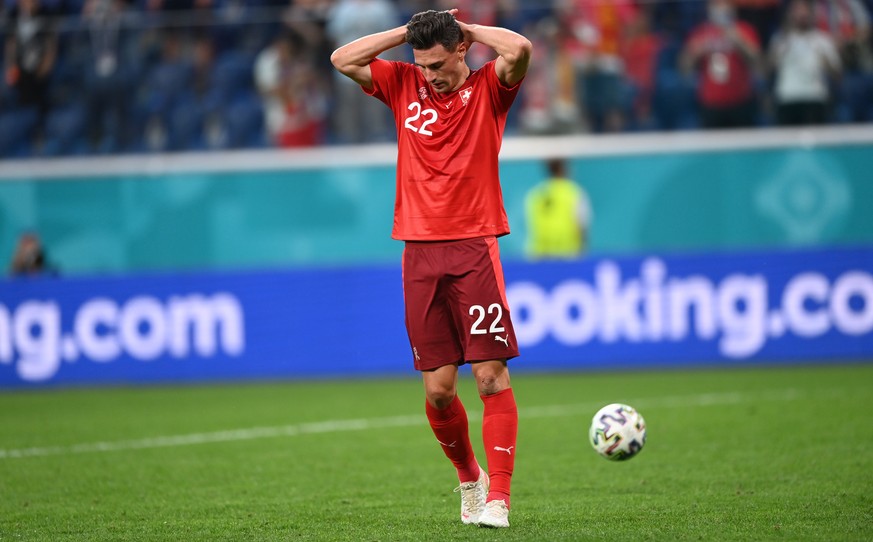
(455,297)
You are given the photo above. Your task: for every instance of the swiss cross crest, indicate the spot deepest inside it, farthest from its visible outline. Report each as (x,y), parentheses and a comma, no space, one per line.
(422,93)
(465,95)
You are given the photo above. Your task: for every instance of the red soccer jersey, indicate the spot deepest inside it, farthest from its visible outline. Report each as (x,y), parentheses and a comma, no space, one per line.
(447,180)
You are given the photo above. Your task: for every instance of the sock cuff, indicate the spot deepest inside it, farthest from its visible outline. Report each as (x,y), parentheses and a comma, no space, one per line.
(436,415)
(502,397)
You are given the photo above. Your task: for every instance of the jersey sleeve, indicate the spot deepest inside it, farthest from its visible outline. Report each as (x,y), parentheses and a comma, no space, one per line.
(387,76)
(501,95)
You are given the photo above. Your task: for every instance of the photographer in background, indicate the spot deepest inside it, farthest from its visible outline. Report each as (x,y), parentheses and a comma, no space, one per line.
(29,258)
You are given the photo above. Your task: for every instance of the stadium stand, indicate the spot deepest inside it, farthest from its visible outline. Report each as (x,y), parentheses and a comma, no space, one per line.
(177,75)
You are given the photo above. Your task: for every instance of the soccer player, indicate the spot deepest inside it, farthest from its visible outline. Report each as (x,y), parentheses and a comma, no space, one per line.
(449,211)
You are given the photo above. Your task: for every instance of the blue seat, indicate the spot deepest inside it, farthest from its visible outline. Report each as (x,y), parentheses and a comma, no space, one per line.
(66,80)
(164,84)
(232,75)
(691,14)
(65,131)
(8,96)
(17,128)
(186,125)
(855,98)
(668,56)
(674,102)
(244,120)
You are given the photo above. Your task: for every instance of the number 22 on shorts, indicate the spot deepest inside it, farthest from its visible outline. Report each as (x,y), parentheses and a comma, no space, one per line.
(494,309)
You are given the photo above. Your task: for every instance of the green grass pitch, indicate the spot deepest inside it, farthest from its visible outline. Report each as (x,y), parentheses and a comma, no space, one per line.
(780,453)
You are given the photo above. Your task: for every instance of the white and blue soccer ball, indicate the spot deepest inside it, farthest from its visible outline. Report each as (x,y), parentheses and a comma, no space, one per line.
(618,432)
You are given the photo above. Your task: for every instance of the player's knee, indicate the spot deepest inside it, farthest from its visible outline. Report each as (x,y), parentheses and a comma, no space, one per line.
(488,384)
(491,378)
(440,396)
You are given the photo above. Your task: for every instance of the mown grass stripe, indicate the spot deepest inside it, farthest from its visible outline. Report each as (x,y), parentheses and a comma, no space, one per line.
(362,424)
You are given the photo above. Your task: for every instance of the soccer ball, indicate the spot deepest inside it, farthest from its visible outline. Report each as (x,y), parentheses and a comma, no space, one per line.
(618,432)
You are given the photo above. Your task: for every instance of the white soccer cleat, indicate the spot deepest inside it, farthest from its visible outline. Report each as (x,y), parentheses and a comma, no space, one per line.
(496,514)
(473,498)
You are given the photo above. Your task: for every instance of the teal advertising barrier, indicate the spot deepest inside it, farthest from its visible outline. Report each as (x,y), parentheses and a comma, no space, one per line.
(261,209)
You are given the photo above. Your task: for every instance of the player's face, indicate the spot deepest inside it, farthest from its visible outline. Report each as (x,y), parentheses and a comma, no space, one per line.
(445,70)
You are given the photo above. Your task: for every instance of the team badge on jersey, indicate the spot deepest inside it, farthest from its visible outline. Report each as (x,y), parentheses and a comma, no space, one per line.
(422,93)
(465,95)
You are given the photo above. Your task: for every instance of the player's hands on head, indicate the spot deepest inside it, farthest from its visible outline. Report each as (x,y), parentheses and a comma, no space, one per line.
(465,28)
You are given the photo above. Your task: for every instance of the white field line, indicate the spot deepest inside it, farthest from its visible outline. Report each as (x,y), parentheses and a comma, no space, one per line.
(362,424)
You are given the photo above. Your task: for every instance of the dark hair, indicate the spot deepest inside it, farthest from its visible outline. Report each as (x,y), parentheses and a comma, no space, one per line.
(557,167)
(428,28)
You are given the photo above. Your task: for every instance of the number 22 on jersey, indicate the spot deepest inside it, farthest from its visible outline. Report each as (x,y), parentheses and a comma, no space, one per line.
(426,118)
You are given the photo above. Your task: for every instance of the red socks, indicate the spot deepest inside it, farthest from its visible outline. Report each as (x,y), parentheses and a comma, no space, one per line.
(499,431)
(450,428)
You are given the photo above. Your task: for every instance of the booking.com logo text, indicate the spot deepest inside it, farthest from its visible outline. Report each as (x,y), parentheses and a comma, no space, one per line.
(143,327)
(656,307)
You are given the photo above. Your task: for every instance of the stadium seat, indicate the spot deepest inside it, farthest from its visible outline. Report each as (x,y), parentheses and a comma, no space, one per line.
(232,75)
(674,101)
(65,131)
(245,122)
(67,81)
(8,96)
(73,7)
(17,128)
(164,85)
(691,14)
(855,96)
(668,56)
(186,125)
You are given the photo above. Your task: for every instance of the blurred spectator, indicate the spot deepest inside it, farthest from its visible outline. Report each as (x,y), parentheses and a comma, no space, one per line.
(474,12)
(175,75)
(558,215)
(309,19)
(109,77)
(357,118)
(156,5)
(166,83)
(597,28)
(29,257)
(848,22)
(803,58)
(726,55)
(30,55)
(203,64)
(516,15)
(639,51)
(548,97)
(293,99)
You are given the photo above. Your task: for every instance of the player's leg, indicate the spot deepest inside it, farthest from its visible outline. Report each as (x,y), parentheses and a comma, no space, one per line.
(448,420)
(436,351)
(479,301)
(499,434)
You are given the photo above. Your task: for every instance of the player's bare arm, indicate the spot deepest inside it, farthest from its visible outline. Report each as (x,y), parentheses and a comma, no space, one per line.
(513,50)
(353,59)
